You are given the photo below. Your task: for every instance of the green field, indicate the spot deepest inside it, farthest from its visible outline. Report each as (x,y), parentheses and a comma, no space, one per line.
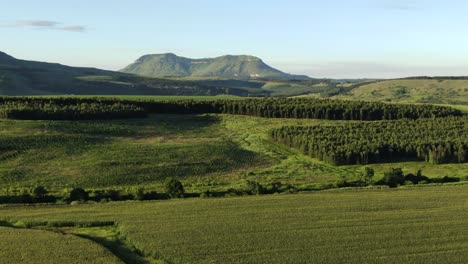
(305,220)
(38,246)
(407,225)
(441,91)
(206,152)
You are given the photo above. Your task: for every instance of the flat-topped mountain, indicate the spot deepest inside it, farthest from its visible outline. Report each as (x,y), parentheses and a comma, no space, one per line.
(228,66)
(23,77)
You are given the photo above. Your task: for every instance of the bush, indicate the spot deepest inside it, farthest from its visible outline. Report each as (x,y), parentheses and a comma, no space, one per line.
(366,175)
(206,194)
(344,183)
(255,188)
(39,192)
(138,194)
(174,188)
(274,187)
(393,177)
(78,194)
(416,179)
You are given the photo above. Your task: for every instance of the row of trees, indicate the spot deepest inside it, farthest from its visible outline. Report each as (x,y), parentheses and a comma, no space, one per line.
(39,194)
(441,140)
(304,108)
(83,108)
(79,111)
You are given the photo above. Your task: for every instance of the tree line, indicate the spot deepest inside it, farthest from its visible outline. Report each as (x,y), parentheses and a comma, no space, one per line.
(440,140)
(39,110)
(92,108)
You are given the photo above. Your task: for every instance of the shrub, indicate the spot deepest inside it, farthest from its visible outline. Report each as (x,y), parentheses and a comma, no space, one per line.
(394,177)
(78,194)
(206,194)
(39,192)
(174,188)
(138,193)
(366,175)
(274,187)
(416,179)
(255,188)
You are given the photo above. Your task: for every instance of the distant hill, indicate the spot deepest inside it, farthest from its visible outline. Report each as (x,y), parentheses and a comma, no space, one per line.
(439,90)
(21,77)
(215,77)
(235,67)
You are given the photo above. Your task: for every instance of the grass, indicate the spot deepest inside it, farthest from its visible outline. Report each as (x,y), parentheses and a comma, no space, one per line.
(123,153)
(411,224)
(407,225)
(214,152)
(413,91)
(39,246)
(292,89)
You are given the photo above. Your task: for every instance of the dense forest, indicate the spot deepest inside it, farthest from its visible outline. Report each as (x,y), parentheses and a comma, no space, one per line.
(38,110)
(30,108)
(440,140)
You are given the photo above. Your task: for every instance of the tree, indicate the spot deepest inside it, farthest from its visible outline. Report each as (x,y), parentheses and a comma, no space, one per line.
(138,193)
(174,188)
(255,187)
(394,177)
(39,192)
(78,194)
(366,175)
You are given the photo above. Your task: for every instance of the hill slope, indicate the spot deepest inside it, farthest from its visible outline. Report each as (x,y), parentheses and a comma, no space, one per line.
(21,77)
(437,90)
(228,66)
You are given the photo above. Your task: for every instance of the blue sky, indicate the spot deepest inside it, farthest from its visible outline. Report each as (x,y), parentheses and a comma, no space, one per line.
(333,38)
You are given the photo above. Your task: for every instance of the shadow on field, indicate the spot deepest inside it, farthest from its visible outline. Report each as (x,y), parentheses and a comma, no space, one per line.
(118,248)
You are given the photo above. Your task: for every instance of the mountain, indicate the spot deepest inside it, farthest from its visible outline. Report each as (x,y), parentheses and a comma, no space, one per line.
(233,67)
(22,77)
(6,60)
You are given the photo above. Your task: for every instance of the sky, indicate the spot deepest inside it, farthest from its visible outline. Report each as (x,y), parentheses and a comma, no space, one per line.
(322,39)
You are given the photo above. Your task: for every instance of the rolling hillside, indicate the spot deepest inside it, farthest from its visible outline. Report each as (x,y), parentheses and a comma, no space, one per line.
(232,75)
(424,90)
(237,67)
(22,77)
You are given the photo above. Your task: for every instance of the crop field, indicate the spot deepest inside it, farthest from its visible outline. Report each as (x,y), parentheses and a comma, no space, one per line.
(406,225)
(39,246)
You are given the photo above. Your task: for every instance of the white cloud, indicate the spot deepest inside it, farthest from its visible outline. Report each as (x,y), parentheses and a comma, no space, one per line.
(47,24)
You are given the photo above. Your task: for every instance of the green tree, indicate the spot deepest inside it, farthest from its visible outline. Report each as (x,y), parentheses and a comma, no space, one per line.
(39,192)
(367,175)
(255,187)
(174,188)
(394,177)
(79,194)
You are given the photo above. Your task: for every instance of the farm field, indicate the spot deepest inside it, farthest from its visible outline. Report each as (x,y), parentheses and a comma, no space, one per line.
(38,246)
(52,150)
(406,225)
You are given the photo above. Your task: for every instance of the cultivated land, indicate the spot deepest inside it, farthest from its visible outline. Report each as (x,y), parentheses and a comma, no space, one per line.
(20,245)
(218,153)
(406,225)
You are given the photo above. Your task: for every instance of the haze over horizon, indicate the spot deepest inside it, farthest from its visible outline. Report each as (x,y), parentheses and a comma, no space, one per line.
(336,39)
